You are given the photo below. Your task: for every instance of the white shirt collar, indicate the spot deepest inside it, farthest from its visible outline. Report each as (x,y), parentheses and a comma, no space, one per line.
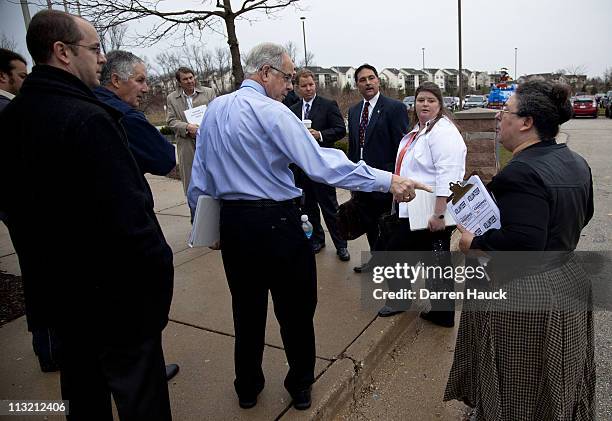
(9,95)
(310,102)
(373,101)
(417,127)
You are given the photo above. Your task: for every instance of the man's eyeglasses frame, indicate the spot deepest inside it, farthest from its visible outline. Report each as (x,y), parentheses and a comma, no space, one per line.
(96,49)
(288,77)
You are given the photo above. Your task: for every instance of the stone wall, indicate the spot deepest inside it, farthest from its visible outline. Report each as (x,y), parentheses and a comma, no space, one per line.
(478,129)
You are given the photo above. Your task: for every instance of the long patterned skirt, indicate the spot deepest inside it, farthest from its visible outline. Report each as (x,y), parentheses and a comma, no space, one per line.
(529,357)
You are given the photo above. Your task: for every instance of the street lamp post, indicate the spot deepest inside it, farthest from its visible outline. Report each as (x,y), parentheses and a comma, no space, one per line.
(423,50)
(460,58)
(303,18)
(515,54)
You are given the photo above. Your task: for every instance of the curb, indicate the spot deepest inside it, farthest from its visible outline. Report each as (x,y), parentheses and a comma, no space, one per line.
(346,376)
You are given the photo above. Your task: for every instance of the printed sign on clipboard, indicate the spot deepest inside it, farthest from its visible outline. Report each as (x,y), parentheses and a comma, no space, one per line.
(471,206)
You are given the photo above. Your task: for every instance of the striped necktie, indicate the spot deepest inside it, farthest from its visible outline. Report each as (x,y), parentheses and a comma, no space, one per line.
(306,111)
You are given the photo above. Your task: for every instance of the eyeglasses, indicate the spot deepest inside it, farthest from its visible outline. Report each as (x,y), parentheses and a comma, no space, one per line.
(288,77)
(95,48)
(504,110)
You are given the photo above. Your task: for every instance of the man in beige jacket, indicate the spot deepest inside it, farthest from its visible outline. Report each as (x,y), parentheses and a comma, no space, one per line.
(185,97)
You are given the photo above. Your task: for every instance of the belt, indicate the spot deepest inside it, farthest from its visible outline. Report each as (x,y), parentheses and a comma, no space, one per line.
(261,203)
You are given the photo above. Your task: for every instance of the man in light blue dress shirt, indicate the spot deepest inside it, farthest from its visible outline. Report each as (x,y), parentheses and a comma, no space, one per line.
(246,142)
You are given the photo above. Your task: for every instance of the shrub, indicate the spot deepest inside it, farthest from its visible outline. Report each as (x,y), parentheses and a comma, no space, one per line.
(165,130)
(342,145)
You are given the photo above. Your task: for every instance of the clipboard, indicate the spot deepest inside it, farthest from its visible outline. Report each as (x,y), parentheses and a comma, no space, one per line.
(471,206)
(420,209)
(205,228)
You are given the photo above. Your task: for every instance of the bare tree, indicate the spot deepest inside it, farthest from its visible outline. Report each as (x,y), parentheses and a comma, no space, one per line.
(7,43)
(112,37)
(222,66)
(166,65)
(607,75)
(574,70)
(186,24)
(291,50)
(309,59)
(203,62)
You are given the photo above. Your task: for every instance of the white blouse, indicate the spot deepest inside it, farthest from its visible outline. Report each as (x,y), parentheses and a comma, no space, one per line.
(435,158)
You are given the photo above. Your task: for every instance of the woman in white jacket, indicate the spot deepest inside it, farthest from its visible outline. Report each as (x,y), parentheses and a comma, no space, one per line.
(432,153)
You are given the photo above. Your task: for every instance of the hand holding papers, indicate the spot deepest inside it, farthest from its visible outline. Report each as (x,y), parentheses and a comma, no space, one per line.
(205,229)
(195,115)
(421,208)
(472,206)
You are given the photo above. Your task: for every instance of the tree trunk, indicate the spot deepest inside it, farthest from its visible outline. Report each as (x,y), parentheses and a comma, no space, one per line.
(232,41)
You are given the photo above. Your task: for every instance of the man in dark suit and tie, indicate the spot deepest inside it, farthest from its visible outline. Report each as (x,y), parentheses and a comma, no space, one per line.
(327,127)
(376,127)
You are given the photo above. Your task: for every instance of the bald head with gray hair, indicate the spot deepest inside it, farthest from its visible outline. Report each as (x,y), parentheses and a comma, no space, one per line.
(262,54)
(120,63)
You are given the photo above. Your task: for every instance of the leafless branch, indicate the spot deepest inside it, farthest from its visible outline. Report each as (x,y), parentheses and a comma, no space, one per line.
(167,23)
(7,42)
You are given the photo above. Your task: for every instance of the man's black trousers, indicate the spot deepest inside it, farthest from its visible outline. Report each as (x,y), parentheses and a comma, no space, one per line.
(134,373)
(264,249)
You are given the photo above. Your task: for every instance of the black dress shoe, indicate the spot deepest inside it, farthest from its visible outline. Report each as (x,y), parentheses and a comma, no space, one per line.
(171,371)
(364,268)
(302,399)
(343,254)
(48,366)
(387,311)
(439,319)
(249,400)
(316,247)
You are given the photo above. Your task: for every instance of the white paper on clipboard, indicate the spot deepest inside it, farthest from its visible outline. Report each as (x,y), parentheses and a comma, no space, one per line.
(194,115)
(475,209)
(421,208)
(205,229)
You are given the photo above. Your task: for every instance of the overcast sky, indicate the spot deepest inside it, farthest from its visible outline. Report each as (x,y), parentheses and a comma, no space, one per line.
(549,34)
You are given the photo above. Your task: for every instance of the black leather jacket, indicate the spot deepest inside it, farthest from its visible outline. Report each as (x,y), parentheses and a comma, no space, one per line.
(545,197)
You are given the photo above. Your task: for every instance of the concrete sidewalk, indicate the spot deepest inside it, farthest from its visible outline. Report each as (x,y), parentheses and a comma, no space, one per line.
(199,337)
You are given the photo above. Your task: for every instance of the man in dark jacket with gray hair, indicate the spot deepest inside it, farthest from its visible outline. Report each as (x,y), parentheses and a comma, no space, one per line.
(123,85)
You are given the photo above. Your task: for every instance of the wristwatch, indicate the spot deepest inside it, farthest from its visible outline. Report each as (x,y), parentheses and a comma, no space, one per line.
(441,216)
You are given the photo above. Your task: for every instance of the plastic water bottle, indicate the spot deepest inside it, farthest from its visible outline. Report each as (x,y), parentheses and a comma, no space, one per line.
(306,226)
(438,252)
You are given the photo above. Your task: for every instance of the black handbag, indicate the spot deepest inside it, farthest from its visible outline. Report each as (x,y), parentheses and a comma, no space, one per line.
(352,221)
(387,226)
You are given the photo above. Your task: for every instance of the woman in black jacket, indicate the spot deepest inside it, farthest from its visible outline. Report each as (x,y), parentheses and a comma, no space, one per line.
(530,356)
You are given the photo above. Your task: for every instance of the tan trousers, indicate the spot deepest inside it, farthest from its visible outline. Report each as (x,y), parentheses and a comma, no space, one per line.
(185,150)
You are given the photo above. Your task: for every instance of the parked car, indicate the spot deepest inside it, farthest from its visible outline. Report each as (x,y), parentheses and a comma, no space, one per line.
(585,105)
(449,103)
(408,102)
(475,101)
